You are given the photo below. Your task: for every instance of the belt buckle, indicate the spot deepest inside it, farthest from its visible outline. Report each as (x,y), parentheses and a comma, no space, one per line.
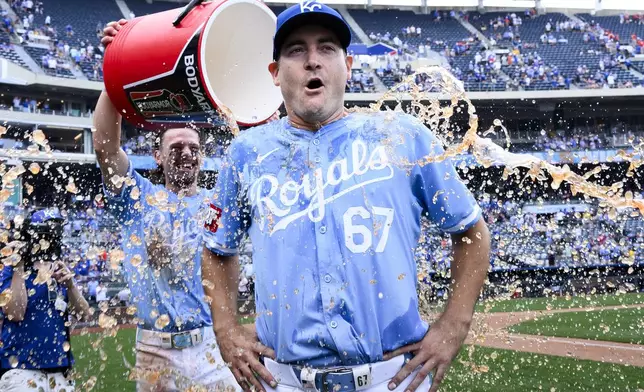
(338,371)
(181,340)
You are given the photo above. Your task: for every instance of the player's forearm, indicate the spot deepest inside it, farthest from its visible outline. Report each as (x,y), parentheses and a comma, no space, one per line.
(78,306)
(220,280)
(107,122)
(469,270)
(17,306)
(107,142)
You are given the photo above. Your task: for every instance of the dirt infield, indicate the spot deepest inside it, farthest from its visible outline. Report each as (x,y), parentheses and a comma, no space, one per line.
(489,330)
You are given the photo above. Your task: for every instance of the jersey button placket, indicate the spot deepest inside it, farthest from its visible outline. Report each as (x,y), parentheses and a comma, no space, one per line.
(327,283)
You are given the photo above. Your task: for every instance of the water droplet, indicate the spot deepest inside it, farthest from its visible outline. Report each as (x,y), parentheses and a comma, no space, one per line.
(380,296)
(162,321)
(135,193)
(136,260)
(34,168)
(131,310)
(5,297)
(71,187)
(208,284)
(39,137)
(66,346)
(6,251)
(105,321)
(91,382)
(13,361)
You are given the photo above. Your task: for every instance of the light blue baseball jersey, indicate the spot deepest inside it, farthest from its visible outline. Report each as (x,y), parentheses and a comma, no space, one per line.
(334,218)
(152,216)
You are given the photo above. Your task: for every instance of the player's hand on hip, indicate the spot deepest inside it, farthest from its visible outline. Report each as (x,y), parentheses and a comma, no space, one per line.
(241,350)
(434,354)
(110,30)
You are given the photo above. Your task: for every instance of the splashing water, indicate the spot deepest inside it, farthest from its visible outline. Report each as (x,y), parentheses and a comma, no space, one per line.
(486,152)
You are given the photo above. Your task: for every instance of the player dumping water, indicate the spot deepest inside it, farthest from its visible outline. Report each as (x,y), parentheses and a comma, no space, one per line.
(162,230)
(333,236)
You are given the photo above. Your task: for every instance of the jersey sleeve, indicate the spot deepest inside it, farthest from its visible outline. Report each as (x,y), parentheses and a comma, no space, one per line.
(229,214)
(128,203)
(438,187)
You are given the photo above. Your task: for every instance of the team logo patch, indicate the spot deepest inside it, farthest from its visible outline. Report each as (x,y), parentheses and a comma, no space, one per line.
(212,218)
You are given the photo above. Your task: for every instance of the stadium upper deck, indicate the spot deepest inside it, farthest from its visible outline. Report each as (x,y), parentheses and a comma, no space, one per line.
(513,49)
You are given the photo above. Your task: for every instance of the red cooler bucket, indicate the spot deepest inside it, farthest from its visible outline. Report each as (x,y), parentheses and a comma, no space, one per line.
(188,64)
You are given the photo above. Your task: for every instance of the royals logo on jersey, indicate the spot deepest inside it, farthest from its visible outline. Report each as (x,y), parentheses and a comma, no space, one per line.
(289,200)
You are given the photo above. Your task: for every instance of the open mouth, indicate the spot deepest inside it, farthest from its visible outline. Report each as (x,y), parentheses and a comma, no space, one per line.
(314,84)
(186,166)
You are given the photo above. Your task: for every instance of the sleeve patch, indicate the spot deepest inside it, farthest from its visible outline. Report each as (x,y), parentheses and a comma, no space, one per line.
(212,218)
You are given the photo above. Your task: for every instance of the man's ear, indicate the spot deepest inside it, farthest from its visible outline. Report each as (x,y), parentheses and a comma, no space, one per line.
(274,69)
(157,157)
(349,62)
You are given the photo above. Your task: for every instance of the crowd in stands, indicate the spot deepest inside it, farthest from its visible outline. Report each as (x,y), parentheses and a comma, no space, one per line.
(57,49)
(570,143)
(40,106)
(568,237)
(580,139)
(361,82)
(538,47)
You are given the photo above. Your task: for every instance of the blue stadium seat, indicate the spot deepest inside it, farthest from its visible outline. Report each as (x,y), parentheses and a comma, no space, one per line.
(84,24)
(612,23)
(142,7)
(446,30)
(38,53)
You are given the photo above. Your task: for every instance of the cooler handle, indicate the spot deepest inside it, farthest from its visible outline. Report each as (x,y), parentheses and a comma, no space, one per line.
(186,11)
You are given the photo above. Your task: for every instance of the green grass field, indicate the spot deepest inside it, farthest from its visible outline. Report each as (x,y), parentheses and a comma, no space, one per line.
(614,325)
(526,304)
(486,370)
(496,370)
(108,360)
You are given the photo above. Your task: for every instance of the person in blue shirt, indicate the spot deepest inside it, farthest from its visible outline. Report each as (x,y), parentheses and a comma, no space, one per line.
(162,230)
(35,351)
(332,202)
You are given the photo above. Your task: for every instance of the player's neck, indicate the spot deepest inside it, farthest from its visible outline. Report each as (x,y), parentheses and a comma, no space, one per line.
(300,123)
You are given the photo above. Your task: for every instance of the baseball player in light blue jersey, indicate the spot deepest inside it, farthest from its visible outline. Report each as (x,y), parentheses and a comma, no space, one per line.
(162,229)
(332,202)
